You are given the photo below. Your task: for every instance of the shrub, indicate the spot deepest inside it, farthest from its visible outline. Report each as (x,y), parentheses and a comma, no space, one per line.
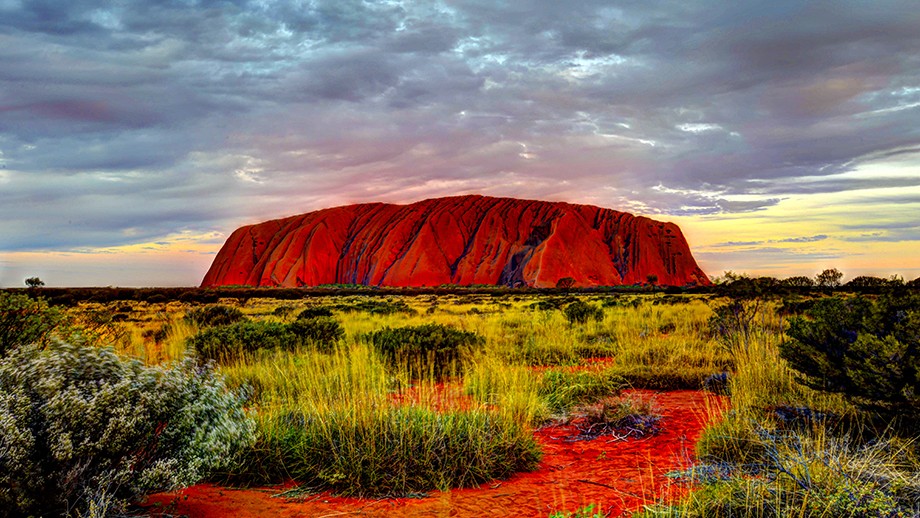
(26,321)
(81,428)
(867,351)
(215,315)
(551,303)
(319,311)
(232,342)
(321,332)
(737,320)
(579,312)
(283,311)
(429,348)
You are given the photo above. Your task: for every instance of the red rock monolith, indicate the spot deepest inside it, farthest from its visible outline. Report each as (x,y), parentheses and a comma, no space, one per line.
(459,240)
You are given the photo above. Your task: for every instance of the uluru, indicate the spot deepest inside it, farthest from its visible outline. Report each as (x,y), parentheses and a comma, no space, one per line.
(460,240)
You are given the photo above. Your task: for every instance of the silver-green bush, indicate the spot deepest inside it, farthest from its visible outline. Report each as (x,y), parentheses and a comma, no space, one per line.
(83,431)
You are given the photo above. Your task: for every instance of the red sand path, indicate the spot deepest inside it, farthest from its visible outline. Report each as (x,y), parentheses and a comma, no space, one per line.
(621,476)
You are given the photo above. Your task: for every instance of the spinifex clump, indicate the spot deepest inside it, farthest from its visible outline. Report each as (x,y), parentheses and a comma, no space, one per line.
(331,422)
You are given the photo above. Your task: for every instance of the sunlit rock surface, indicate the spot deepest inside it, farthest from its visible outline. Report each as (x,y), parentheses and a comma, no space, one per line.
(458,240)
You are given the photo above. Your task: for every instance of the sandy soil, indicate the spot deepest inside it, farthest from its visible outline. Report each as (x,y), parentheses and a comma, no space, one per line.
(619,475)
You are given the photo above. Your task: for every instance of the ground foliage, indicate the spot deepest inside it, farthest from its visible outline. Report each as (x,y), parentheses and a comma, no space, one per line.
(232,342)
(215,315)
(24,320)
(84,432)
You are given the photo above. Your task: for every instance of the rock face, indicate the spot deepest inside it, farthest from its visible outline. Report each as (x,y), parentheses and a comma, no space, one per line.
(459,240)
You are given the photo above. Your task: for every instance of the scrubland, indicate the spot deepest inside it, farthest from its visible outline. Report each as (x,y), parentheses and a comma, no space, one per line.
(396,396)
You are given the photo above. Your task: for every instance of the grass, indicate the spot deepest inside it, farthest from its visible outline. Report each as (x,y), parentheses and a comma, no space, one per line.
(787,450)
(349,419)
(337,421)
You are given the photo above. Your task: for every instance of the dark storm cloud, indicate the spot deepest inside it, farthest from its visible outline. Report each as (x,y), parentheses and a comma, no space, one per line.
(137,119)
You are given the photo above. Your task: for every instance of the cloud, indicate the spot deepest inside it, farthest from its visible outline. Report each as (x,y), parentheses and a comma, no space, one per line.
(201,115)
(797,239)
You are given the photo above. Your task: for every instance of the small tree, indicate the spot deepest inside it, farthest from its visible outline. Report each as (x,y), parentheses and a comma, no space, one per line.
(829,278)
(34,282)
(867,351)
(565,282)
(652,279)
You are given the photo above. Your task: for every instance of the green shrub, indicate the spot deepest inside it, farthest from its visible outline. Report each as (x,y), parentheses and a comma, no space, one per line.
(232,342)
(318,311)
(321,332)
(430,348)
(565,388)
(867,351)
(24,320)
(215,315)
(579,312)
(283,311)
(80,428)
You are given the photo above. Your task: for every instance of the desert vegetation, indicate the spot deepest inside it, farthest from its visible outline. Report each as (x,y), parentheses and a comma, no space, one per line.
(385,395)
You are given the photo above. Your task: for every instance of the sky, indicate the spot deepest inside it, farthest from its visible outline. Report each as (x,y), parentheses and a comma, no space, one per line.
(782,136)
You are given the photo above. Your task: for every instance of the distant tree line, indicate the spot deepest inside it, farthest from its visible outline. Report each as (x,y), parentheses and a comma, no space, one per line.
(827,280)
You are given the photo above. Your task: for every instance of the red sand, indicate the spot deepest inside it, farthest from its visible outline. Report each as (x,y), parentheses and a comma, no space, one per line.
(621,476)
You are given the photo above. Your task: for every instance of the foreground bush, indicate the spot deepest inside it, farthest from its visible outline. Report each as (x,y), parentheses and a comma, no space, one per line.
(24,320)
(395,451)
(433,349)
(83,431)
